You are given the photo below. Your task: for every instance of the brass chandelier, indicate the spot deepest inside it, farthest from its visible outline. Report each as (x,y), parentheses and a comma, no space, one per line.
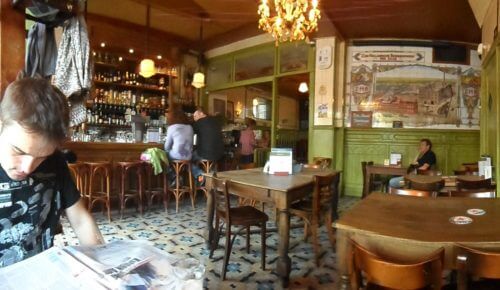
(292,19)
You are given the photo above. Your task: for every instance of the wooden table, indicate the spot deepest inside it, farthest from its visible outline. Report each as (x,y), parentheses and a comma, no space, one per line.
(408,227)
(280,190)
(393,170)
(450,182)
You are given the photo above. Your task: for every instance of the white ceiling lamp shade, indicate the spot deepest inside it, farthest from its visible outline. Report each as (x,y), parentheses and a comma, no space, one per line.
(303,88)
(147,67)
(198,80)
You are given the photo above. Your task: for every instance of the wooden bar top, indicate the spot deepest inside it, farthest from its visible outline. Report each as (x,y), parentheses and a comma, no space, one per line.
(108,151)
(423,219)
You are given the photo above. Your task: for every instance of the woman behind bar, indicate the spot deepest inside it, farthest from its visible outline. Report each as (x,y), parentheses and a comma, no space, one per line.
(247,141)
(179,141)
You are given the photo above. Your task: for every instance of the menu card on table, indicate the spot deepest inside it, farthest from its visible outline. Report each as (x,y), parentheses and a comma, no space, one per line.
(281,161)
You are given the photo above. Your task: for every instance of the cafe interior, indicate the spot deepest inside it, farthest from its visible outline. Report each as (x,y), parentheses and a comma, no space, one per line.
(375,144)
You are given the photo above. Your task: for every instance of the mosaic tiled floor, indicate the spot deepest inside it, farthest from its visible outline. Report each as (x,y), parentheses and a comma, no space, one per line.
(182,234)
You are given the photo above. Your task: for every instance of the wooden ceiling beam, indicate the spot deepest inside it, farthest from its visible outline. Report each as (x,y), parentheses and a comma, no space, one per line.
(185,8)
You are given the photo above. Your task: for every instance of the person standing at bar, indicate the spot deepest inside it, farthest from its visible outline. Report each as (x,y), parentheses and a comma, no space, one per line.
(247,142)
(35,183)
(209,140)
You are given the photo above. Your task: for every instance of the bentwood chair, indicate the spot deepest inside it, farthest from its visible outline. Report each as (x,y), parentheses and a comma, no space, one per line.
(99,186)
(412,192)
(427,186)
(375,182)
(127,190)
(319,208)
(156,187)
(465,184)
(247,201)
(478,264)
(241,216)
(422,274)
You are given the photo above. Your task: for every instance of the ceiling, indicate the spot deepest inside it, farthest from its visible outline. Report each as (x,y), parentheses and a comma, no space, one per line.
(231,20)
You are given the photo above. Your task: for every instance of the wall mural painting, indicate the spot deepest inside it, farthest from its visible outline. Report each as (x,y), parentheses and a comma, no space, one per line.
(416,94)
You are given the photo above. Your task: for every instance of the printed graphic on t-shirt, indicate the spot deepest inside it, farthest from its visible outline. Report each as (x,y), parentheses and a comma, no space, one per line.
(25,226)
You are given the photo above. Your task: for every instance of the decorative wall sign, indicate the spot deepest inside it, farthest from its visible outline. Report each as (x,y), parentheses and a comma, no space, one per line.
(389,56)
(361,119)
(324,57)
(405,86)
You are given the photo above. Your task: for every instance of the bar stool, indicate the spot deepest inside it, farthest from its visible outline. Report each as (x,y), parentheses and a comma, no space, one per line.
(126,169)
(99,176)
(206,166)
(182,167)
(156,186)
(80,173)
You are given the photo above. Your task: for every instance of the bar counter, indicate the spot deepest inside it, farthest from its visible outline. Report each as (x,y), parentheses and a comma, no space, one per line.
(108,151)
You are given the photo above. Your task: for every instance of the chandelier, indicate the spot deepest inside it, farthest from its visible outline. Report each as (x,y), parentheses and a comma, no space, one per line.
(293,19)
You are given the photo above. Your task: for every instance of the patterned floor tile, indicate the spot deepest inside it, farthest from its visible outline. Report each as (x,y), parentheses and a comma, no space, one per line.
(182,234)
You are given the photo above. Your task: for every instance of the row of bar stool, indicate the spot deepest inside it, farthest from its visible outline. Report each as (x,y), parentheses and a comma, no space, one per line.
(93,180)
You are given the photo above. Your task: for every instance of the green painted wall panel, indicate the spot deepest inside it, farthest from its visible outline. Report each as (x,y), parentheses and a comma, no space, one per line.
(322,143)
(452,148)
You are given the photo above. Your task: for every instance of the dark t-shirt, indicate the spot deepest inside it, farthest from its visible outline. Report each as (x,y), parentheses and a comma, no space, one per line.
(429,157)
(209,143)
(30,209)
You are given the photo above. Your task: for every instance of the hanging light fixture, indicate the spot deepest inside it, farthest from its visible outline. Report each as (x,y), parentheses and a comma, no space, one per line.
(292,19)
(199,76)
(147,67)
(303,88)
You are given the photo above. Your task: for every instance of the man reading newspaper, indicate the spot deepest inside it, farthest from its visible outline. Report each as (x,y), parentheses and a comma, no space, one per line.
(35,183)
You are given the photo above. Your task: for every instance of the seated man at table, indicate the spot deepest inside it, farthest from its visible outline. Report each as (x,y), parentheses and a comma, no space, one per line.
(35,182)
(424,161)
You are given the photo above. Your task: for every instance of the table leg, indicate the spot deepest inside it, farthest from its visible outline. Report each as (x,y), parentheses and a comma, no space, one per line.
(342,262)
(283,267)
(209,231)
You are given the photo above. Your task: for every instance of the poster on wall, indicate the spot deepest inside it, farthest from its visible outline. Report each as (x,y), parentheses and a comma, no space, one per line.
(404,87)
(324,80)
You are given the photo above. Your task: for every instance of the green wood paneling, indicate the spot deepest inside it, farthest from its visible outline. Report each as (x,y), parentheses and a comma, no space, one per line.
(452,148)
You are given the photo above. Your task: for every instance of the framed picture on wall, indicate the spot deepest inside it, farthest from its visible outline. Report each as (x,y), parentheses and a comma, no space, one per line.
(361,119)
(230,111)
(219,107)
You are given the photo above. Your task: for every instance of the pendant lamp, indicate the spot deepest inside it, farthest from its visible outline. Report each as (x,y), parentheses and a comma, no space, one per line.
(147,67)
(199,76)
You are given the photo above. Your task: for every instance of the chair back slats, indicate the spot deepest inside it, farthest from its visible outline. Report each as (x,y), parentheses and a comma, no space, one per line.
(426,186)
(473,193)
(325,192)
(473,184)
(412,192)
(479,263)
(416,275)
(247,166)
(221,196)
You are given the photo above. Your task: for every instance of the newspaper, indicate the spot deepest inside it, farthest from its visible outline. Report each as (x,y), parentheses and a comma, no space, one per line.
(117,265)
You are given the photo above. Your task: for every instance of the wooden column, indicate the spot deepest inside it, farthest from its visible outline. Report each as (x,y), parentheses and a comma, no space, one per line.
(12,43)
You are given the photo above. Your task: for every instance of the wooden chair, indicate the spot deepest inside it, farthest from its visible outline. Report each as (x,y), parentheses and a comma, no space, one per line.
(207,166)
(127,169)
(471,166)
(426,186)
(156,186)
(462,172)
(473,193)
(412,192)
(99,186)
(394,275)
(463,184)
(242,216)
(430,172)
(322,205)
(182,167)
(323,162)
(375,183)
(246,166)
(80,173)
(479,264)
